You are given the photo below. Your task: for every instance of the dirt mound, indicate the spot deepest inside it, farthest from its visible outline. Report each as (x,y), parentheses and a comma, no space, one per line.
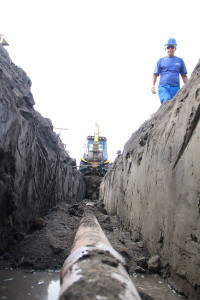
(50,239)
(154,186)
(49,243)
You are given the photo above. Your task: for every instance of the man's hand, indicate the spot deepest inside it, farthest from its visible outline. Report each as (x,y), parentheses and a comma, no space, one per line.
(153,89)
(184,77)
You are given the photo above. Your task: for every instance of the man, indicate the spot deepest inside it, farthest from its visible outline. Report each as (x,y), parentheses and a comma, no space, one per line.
(169,68)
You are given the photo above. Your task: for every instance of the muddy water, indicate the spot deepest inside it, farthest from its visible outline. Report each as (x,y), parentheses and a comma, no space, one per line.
(156,287)
(31,285)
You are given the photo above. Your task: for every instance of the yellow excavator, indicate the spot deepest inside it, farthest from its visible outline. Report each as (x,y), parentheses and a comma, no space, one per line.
(95,158)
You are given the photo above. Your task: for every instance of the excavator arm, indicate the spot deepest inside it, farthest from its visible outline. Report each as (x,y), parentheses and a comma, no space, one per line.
(96,138)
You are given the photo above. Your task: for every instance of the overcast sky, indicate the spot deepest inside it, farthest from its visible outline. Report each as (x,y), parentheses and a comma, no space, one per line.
(92,61)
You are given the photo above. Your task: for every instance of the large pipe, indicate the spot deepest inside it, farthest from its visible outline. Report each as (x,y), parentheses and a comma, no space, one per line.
(94,270)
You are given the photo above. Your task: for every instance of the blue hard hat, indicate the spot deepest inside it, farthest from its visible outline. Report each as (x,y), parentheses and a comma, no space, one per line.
(171,41)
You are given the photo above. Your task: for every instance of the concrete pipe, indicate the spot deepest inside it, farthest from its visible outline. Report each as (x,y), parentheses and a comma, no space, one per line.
(94,270)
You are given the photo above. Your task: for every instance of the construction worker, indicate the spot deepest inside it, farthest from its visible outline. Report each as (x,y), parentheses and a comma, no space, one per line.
(119,152)
(169,68)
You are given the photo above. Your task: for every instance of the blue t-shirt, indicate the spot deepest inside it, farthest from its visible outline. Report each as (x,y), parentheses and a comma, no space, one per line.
(169,69)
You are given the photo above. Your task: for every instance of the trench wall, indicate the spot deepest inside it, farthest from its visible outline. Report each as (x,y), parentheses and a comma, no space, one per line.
(154,186)
(36,172)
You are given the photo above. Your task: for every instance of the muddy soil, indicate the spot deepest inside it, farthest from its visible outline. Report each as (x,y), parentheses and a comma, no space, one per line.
(50,239)
(48,244)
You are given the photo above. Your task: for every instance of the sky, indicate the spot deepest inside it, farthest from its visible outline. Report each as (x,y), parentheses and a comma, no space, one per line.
(91,61)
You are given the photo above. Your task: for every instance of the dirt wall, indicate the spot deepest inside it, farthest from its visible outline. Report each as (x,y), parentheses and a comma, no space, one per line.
(154,186)
(36,172)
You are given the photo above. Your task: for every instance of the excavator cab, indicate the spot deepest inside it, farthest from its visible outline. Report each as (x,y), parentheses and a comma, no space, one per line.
(95,158)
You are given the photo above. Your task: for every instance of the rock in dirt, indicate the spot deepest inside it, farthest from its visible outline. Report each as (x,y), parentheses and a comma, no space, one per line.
(154,263)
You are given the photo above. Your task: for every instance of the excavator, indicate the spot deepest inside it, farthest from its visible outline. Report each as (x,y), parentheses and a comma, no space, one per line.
(95,158)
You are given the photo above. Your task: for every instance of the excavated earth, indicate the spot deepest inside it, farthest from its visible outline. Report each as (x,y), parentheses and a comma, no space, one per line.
(154,188)
(41,190)
(49,241)
(36,172)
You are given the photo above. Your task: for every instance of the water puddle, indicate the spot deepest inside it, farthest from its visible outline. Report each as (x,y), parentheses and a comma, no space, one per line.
(30,285)
(156,287)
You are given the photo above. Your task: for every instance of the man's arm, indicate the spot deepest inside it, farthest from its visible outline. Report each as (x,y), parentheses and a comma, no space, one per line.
(184,77)
(153,89)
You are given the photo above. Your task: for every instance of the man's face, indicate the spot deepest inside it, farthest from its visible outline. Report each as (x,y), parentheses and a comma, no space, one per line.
(170,50)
